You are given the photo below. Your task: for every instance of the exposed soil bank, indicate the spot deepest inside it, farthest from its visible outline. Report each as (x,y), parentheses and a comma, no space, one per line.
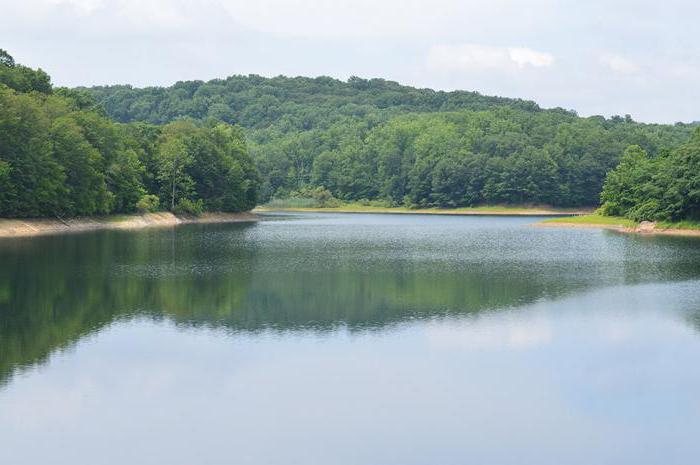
(644,228)
(22,227)
(505,211)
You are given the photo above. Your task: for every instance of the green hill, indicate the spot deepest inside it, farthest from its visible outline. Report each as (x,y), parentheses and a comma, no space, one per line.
(378,140)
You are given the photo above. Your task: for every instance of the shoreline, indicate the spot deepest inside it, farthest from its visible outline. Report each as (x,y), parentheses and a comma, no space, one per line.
(28,227)
(646,228)
(476,211)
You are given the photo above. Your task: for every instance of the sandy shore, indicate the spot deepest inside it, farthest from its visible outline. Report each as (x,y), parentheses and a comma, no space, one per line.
(22,227)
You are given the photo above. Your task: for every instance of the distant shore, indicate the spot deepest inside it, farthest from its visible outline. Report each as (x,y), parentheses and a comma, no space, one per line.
(623,225)
(24,227)
(486,210)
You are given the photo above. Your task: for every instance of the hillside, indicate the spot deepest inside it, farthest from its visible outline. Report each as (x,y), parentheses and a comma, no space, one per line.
(379,141)
(229,144)
(257,102)
(60,157)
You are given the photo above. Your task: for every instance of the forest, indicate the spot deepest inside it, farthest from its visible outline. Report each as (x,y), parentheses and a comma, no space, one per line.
(228,144)
(662,187)
(377,141)
(61,156)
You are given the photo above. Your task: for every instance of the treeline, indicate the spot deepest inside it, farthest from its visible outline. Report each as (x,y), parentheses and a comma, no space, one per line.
(375,140)
(182,148)
(60,155)
(459,158)
(291,104)
(662,187)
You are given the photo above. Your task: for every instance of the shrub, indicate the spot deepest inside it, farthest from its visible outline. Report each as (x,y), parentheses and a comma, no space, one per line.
(291,202)
(191,207)
(148,203)
(381,203)
(306,197)
(408,202)
(610,208)
(646,211)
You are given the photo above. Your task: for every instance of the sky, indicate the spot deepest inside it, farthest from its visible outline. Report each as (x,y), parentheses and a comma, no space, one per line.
(596,57)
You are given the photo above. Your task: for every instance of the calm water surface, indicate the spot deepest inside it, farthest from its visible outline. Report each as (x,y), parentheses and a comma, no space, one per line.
(350,339)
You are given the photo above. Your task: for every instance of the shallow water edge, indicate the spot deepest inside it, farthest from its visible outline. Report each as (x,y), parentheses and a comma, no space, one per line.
(23,227)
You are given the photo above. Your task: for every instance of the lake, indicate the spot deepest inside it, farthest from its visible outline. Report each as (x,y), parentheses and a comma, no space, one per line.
(350,339)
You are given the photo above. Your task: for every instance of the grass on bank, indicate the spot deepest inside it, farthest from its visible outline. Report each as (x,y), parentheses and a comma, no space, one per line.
(600,220)
(311,205)
(595,219)
(687,224)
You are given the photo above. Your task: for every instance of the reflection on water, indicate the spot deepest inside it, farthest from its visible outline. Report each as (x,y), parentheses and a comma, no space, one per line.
(317,329)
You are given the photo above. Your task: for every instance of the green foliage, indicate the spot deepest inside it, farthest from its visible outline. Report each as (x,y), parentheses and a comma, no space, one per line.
(34,180)
(173,160)
(149,203)
(622,185)
(4,169)
(662,188)
(124,177)
(380,141)
(209,163)
(324,142)
(292,202)
(80,99)
(190,207)
(22,78)
(61,156)
(292,104)
(682,178)
(6,59)
(684,224)
(86,189)
(307,197)
(321,196)
(375,203)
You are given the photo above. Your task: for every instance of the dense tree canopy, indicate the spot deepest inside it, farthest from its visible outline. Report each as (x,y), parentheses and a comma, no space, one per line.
(292,104)
(21,78)
(378,140)
(185,148)
(663,187)
(61,156)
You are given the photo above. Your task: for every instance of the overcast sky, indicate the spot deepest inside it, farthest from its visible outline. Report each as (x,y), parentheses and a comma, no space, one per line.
(592,56)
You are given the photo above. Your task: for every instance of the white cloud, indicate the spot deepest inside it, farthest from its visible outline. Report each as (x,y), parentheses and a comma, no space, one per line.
(81,6)
(619,65)
(385,18)
(528,57)
(684,71)
(360,19)
(552,46)
(469,57)
(116,17)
